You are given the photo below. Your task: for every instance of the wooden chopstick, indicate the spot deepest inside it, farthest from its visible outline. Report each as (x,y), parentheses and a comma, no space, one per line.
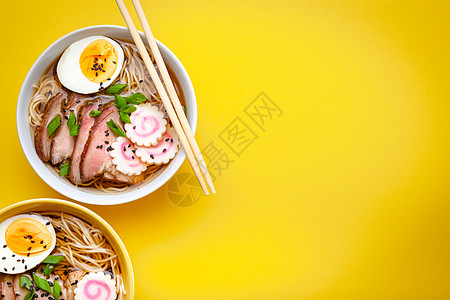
(172,93)
(199,172)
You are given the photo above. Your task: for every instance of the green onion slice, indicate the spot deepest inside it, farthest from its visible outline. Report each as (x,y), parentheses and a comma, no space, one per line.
(25,282)
(95,113)
(120,101)
(74,130)
(53,125)
(29,295)
(125,117)
(72,120)
(56,289)
(48,269)
(64,169)
(53,259)
(115,89)
(128,108)
(41,283)
(116,129)
(136,98)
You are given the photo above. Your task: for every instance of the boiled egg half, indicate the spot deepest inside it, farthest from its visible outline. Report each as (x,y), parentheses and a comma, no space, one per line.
(25,241)
(90,65)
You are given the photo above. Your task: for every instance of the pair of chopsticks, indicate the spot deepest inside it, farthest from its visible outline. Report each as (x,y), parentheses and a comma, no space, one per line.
(172,104)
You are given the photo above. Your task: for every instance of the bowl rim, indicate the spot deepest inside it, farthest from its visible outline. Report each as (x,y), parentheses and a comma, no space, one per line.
(94,215)
(111,198)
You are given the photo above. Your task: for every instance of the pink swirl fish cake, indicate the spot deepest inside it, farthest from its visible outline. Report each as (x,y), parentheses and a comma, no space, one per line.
(147,125)
(124,157)
(96,286)
(163,152)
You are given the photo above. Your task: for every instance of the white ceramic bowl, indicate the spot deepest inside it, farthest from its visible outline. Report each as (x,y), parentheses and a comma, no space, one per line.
(47,173)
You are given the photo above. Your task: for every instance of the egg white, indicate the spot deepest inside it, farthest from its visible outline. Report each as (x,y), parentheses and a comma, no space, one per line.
(12,263)
(69,70)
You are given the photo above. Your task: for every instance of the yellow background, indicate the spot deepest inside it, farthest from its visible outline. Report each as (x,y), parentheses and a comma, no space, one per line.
(344,196)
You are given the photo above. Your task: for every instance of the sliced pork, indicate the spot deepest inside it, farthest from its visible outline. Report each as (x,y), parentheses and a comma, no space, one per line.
(95,158)
(42,141)
(70,283)
(62,144)
(86,122)
(114,176)
(20,291)
(7,288)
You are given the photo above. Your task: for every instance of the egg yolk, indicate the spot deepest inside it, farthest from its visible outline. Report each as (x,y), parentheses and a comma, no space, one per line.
(28,235)
(98,61)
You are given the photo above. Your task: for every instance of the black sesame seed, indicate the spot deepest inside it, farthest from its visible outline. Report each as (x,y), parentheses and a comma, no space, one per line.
(26,267)
(4,246)
(58,227)
(134,127)
(167,140)
(141,81)
(78,101)
(124,149)
(32,242)
(134,151)
(171,140)
(23,261)
(66,117)
(106,142)
(108,78)
(114,62)
(96,74)
(151,155)
(129,145)
(45,246)
(41,242)
(29,248)
(9,283)
(64,110)
(13,268)
(13,255)
(4,257)
(164,150)
(48,223)
(28,254)
(6,270)
(132,157)
(101,146)
(107,134)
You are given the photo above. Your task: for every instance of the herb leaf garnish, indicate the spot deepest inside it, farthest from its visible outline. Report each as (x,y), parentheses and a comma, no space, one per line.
(64,170)
(116,129)
(53,125)
(115,89)
(95,113)
(41,283)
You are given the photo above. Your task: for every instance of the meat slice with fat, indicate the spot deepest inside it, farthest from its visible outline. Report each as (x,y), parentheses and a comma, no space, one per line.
(42,141)
(86,122)
(95,158)
(62,144)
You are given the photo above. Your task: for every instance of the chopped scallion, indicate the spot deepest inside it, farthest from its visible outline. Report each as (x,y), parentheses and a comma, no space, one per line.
(115,89)
(25,282)
(128,108)
(136,98)
(74,130)
(53,259)
(41,283)
(95,113)
(125,117)
(56,289)
(72,120)
(48,269)
(64,170)
(120,101)
(116,129)
(53,125)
